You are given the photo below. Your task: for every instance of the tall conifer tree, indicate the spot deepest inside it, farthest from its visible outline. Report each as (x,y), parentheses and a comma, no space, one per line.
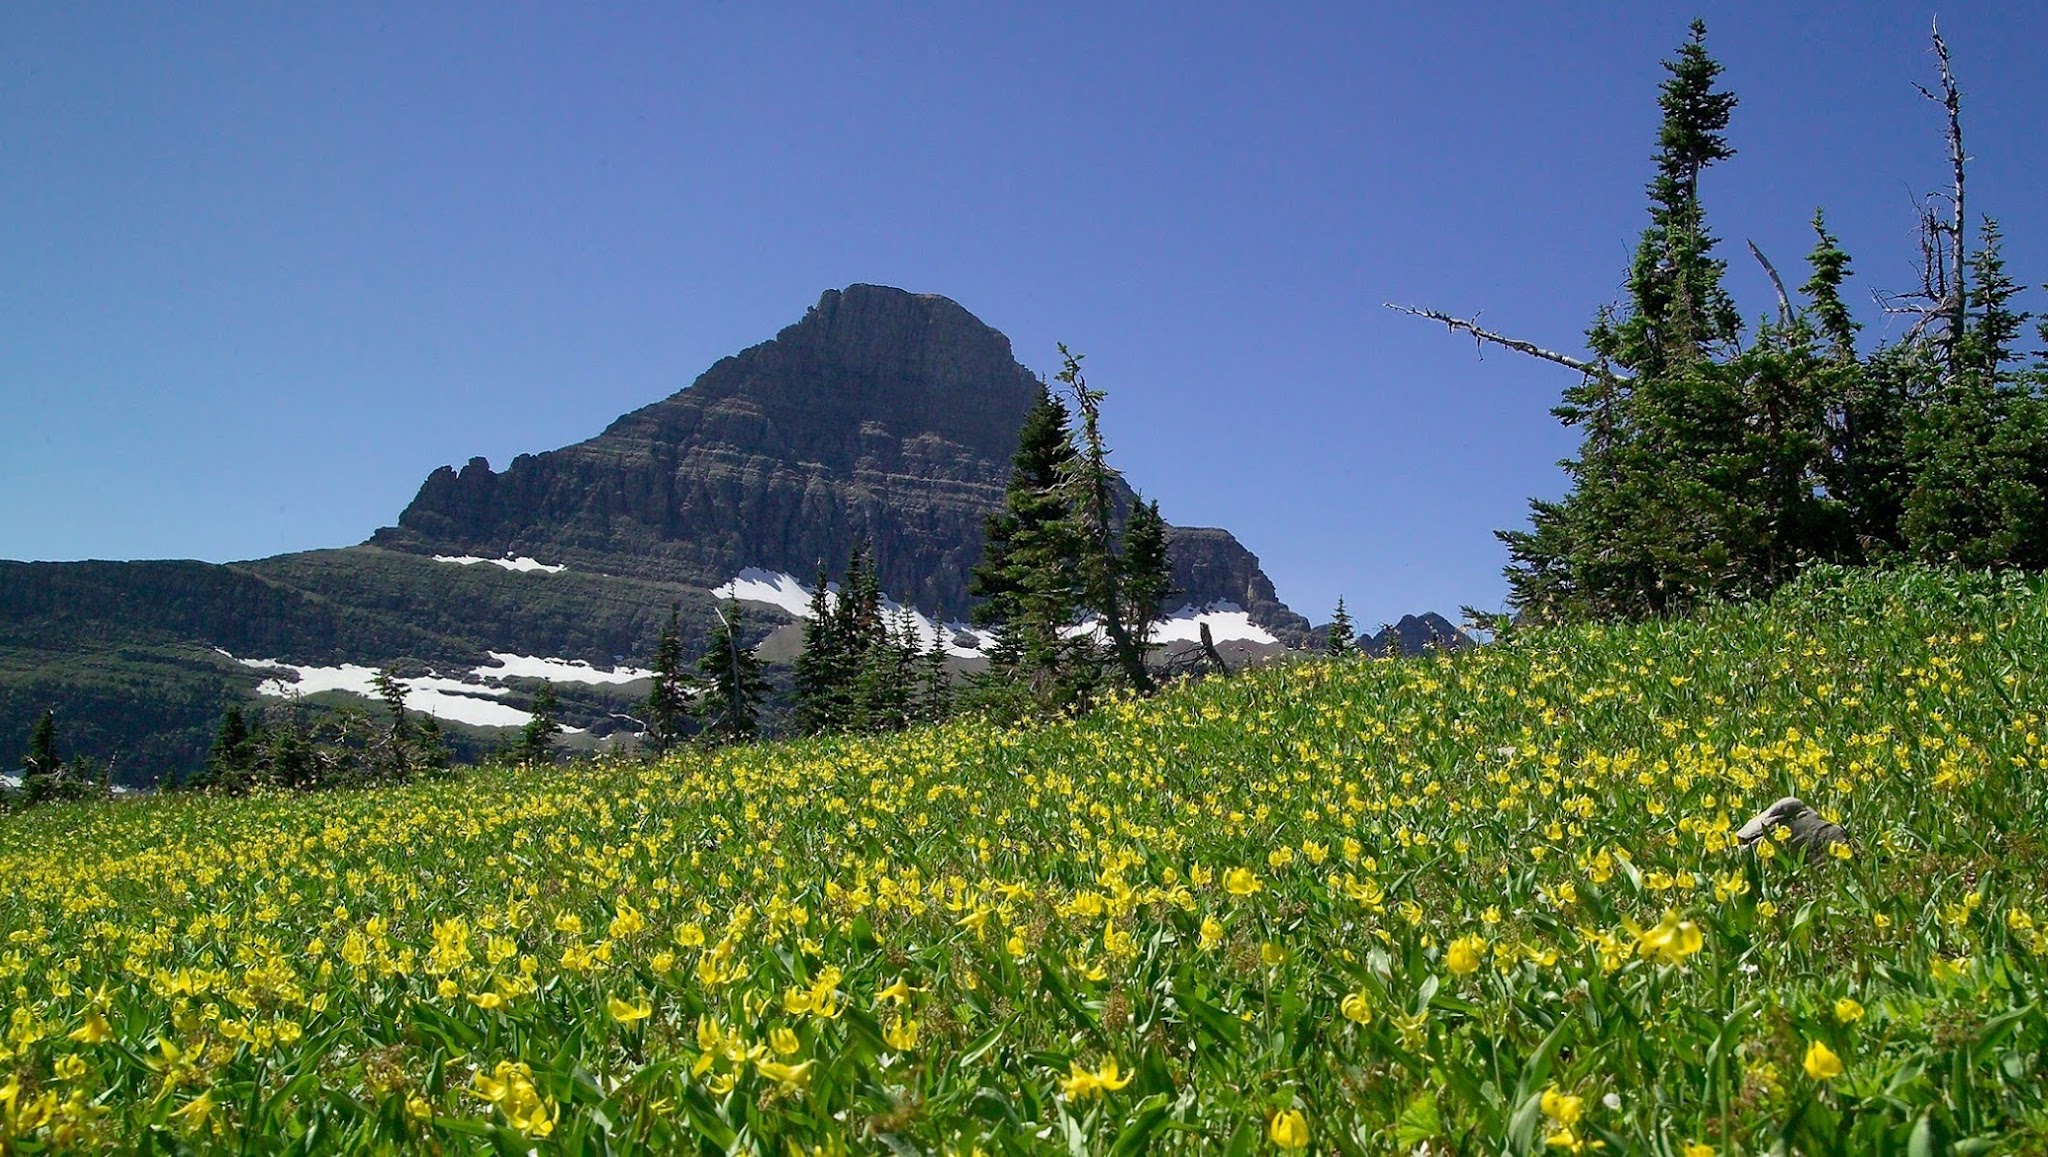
(818,675)
(1147,571)
(537,738)
(668,704)
(42,773)
(1099,557)
(733,685)
(1029,586)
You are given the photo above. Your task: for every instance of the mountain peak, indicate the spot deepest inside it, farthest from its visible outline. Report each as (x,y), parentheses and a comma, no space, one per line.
(882,417)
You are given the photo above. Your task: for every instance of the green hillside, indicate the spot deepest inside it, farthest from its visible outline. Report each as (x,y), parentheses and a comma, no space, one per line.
(128,653)
(1485,903)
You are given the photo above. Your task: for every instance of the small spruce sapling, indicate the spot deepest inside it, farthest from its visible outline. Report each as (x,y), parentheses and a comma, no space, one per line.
(1342,636)
(537,738)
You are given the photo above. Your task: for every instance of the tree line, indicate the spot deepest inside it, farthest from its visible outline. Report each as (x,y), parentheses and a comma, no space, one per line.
(1715,466)
(1073,575)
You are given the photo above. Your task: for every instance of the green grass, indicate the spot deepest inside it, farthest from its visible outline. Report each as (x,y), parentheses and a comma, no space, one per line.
(1364,906)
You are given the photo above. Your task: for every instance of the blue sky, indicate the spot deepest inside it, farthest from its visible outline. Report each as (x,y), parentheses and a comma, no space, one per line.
(262,267)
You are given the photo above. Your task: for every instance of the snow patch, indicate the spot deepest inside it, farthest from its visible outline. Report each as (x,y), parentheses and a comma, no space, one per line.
(754,585)
(509,666)
(784,591)
(523,564)
(10,782)
(435,695)
(1227,622)
(477,700)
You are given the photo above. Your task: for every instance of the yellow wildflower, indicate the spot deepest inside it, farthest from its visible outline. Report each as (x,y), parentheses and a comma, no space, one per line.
(1080,1083)
(1289,1129)
(1356,1008)
(196,1112)
(626,1013)
(790,1077)
(94,1031)
(901,1035)
(1463,955)
(1821,1062)
(1670,942)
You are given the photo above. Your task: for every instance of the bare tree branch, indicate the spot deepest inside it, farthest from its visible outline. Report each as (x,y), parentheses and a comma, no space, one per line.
(1778,283)
(1482,336)
(1209,650)
(1950,299)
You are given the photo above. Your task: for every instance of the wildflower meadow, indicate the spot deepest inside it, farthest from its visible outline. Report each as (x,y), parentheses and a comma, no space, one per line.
(1482,903)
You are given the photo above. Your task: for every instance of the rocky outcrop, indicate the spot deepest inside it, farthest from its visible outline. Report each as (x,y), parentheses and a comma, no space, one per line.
(1417,634)
(882,417)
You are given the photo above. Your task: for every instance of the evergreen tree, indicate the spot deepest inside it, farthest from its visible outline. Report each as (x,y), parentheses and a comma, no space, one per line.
(1099,561)
(1029,589)
(430,747)
(887,678)
(820,669)
(858,646)
(1604,549)
(667,705)
(396,759)
(42,773)
(874,698)
(1340,641)
(734,686)
(234,752)
(290,756)
(1979,454)
(935,697)
(1679,311)
(1147,571)
(1702,468)
(88,778)
(537,739)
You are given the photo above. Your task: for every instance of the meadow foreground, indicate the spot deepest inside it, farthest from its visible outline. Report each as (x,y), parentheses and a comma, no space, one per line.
(1488,903)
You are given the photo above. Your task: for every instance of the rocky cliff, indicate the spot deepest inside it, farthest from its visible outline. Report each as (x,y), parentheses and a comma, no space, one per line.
(882,416)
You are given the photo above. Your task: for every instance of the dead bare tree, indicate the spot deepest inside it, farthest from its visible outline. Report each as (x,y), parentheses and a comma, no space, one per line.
(1777,283)
(1942,299)
(1481,337)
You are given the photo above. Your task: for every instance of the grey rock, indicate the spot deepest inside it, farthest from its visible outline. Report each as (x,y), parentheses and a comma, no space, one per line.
(1809,832)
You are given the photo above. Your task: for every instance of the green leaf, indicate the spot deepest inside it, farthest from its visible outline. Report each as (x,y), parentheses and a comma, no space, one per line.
(1137,1135)
(1418,1122)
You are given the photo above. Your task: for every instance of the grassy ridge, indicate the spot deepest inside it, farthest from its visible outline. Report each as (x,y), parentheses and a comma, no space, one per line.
(125,651)
(1488,902)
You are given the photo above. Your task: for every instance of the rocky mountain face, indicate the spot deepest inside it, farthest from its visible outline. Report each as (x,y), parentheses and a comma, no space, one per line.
(1415,635)
(881,417)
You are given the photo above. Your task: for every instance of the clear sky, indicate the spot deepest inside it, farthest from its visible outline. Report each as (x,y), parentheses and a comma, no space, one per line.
(263,267)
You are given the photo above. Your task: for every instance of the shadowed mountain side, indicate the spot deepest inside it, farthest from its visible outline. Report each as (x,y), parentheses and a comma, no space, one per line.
(126,651)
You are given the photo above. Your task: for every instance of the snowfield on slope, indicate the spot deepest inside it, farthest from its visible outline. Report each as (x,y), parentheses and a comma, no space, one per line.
(523,564)
(1227,621)
(783,591)
(478,700)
